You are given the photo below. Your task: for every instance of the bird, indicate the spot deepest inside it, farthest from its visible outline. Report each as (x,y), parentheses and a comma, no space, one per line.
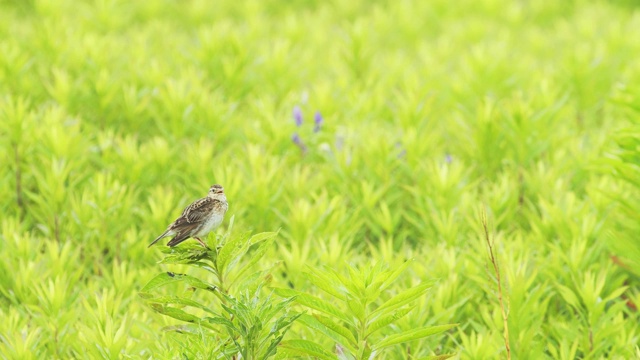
(198,219)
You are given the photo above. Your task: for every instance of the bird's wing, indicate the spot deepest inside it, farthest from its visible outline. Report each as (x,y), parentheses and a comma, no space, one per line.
(182,227)
(192,215)
(193,205)
(199,210)
(183,235)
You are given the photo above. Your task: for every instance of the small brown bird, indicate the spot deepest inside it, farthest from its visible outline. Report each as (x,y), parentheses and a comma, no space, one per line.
(198,219)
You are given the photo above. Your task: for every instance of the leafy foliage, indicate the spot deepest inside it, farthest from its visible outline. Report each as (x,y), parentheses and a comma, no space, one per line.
(115,115)
(625,166)
(245,325)
(355,323)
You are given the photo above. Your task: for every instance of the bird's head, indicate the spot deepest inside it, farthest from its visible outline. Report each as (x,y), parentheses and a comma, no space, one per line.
(216,190)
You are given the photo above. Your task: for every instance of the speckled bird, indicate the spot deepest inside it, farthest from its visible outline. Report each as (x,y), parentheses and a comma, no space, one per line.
(198,219)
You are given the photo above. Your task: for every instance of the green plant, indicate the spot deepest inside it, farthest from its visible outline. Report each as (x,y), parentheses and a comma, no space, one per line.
(361,307)
(623,164)
(116,114)
(503,301)
(243,324)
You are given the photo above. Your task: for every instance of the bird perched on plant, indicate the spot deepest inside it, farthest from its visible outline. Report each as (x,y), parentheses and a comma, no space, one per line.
(198,219)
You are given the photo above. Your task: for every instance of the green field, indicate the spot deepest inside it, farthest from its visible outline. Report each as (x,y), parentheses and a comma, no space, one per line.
(417,117)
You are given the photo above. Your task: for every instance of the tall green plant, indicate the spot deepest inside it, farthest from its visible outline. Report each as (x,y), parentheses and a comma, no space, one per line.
(236,317)
(623,164)
(361,307)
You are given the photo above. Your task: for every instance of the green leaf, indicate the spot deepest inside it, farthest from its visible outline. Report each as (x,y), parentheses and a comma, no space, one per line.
(615,294)
(219,320)
(165,300)
(569,296)
(324,282)
(230,251)
(167,278)
(240,251)
(179,314)
(179,255)
(411,335)
(392,276)
(183,329)
(337,333)
(284,322)
(347,283)
(400,300)
(273,347)
(262,236)
(386,320)
(357,280)
(255,257)
(239,312)
(366,352)
(279,307)
(305,347)
(314,303)
(278,330)
(357,309)
(231,223)
(254,281)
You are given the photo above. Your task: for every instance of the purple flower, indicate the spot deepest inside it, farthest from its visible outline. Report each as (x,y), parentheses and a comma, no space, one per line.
(448,159)
(297,115)
(298,141)
(317,119)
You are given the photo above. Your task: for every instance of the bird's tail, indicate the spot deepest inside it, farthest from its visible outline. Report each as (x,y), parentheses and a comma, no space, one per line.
(178,239)
(164,234)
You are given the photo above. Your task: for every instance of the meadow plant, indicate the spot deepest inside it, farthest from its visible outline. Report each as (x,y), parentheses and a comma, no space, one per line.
(114,115)
(360,308)
(312,137)
(240,321)
(246,323)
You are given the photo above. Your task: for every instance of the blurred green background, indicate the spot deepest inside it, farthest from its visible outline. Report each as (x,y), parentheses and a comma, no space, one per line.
(115,115)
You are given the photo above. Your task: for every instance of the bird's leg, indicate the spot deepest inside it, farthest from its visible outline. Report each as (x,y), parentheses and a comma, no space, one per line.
(201,242)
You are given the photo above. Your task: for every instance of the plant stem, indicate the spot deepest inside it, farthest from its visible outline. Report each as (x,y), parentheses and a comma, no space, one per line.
(362,338)
(214,263)
(56,227)
(496,269)
(19,199)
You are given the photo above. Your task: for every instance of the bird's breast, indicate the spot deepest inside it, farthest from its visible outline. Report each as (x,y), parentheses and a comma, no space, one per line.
(210,224)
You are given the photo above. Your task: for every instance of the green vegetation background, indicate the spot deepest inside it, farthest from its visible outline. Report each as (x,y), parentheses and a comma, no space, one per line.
(114,115)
